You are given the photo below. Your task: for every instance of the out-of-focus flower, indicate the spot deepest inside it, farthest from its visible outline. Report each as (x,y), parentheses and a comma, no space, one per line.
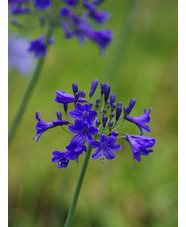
(18,56)
(52,14)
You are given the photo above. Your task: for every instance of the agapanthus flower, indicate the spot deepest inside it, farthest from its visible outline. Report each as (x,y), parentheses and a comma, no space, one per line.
(141,145)
(38,47)
(65,98)
(63,13)
(61,158)
(42,126)
(141,121)
(95,125)
(83,132)
(105,147)
(75,150)
(18,56)
(83,113)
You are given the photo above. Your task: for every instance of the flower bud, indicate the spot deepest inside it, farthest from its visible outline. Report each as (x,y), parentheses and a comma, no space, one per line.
(112,98)
(76,96)
(119,103)
(59,115)
(107,91)
(97,122)
(104,120)
(113,106)
(74,88)
(102,88)
(93,87)
(118,112)
(110,124)
(98,100)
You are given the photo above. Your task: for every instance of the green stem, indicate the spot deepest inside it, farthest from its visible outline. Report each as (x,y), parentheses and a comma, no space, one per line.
(78,187)
(28,93)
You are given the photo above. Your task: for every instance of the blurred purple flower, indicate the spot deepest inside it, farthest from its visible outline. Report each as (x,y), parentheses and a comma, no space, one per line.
(18,56)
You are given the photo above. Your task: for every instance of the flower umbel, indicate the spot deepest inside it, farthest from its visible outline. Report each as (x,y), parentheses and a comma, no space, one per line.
(63,14)
(96,125)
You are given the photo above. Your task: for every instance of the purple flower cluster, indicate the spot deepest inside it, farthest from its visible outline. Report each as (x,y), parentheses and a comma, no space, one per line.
(63,13)
(96,124)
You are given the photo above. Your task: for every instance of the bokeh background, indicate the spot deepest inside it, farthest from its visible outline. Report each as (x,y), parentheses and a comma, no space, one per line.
(142,63)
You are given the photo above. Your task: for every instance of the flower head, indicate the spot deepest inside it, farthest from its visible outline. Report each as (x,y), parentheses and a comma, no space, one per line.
(95,124)
(63,13)
(140,145)
(105,147)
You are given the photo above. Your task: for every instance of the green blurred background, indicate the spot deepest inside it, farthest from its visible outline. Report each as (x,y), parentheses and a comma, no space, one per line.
(121,192)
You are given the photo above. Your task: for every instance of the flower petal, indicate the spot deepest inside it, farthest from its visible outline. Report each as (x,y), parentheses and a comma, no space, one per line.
(75,114)
(114,147)
(108,154)
(97,153)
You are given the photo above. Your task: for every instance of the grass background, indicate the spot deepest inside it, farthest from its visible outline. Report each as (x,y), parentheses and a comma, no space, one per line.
(121,192)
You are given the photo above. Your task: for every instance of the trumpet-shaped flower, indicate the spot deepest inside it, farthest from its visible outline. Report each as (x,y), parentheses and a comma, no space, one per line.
(61,158)
(141,145)
(141,121)
(75,150)
(65,98)
(42,126)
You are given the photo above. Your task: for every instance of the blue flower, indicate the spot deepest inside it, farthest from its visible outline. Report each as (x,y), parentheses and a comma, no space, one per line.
(38,47)
(18,7)
(141,121)
(98,16)
(105,147)
(75,150)
(42,126)
(83,132)
(65,98)
(61,158)
(140,145)
(101,37)
(42,4)
(83,113)
(64,14)
(93,87)
(18,56)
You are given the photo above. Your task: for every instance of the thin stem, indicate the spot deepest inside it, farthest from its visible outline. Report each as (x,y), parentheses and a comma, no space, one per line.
(28,93)
(77,190)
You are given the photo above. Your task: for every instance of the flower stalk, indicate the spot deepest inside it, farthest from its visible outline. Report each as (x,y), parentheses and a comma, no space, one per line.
(28,93)
(78,188)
